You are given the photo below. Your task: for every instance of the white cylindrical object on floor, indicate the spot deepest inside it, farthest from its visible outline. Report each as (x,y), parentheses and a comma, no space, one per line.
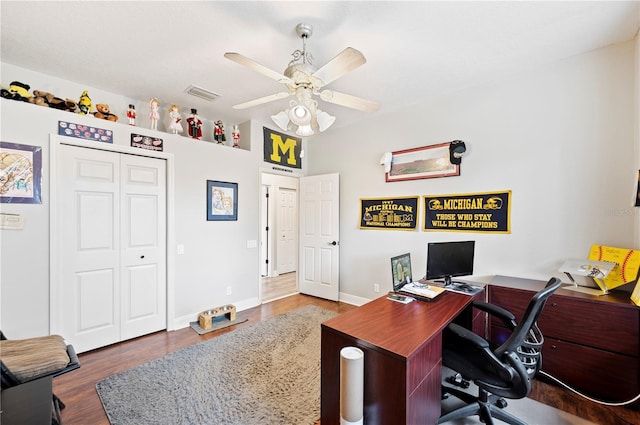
(351,386)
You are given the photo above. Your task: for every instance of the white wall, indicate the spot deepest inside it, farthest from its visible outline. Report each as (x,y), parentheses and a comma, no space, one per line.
(561,138)
(216,253)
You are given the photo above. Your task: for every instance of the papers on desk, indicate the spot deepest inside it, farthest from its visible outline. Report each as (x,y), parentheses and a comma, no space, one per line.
(422,290)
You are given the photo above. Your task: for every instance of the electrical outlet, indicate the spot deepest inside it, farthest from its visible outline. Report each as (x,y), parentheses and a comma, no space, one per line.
(376,287)
(228,290)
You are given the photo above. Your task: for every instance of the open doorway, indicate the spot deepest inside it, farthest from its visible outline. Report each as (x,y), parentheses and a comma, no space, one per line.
(279,236)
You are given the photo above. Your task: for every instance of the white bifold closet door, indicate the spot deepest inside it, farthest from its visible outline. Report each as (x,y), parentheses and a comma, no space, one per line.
(112,222)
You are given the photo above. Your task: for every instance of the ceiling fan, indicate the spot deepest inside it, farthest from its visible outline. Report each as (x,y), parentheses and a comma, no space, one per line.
(304,81)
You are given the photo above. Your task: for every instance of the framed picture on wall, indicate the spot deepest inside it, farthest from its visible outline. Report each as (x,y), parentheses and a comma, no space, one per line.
(422,163)
(20,173)
(222,200)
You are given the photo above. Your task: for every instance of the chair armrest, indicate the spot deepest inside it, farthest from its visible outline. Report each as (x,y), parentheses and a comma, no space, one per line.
(504,315)
(468,336)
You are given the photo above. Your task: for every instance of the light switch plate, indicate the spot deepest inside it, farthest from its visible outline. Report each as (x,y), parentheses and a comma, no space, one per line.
(11,221)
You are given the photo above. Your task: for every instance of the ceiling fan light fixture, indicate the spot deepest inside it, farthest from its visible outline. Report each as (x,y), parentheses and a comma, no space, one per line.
(324,120)
(281,119)
(300,115)
(305,130)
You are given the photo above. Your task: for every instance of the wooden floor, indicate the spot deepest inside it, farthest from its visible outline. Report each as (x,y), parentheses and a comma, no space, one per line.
(274,288)
(77,388)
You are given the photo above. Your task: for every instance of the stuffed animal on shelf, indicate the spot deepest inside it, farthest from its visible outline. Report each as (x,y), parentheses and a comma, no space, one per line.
(103,112)
(84,104)
(16,91)
(44,98)
(38,100)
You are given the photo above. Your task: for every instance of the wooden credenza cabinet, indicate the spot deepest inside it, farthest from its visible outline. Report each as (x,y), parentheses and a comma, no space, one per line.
(592,343)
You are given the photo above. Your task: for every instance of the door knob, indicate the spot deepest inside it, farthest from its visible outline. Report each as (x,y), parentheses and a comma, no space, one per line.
(142,256)
(334,243)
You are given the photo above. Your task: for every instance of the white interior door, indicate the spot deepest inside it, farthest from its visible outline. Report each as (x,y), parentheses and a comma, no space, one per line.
(319,267)
(112,215)
(143,245)
(287,230)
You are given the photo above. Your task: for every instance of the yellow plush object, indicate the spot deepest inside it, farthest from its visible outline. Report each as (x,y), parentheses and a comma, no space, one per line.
(84,104)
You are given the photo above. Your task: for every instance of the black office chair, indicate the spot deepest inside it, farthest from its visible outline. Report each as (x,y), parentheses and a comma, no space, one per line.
(504,371)
(34,362)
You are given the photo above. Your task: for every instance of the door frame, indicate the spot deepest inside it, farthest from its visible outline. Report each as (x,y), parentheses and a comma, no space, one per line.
(55,321)
(271,218)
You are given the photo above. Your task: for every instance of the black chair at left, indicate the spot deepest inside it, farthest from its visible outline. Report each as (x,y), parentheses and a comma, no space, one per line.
(499,372)
(28,367)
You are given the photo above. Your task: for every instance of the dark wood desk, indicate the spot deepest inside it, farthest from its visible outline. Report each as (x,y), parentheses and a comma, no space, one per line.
(402,346)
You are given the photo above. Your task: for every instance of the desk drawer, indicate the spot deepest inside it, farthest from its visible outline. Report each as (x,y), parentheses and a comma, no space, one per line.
(599,373)
(592,323)
(613,377)
(596,324)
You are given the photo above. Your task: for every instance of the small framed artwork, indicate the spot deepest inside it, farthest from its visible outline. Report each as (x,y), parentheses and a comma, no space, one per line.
(422,163)
(20,174)
(222,201)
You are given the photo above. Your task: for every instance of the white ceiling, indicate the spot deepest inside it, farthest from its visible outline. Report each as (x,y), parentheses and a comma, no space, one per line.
(415,51)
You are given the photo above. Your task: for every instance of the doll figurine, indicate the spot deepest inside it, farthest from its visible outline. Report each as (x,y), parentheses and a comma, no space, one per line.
(174,115)
(195,125)
(218,133)
(131,115)
(154,115)
(235,134)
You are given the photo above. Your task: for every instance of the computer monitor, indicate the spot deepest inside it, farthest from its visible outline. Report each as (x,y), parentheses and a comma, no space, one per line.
(449,259)
(401,270)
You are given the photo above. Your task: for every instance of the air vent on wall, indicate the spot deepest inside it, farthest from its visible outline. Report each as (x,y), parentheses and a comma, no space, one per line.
(205,94)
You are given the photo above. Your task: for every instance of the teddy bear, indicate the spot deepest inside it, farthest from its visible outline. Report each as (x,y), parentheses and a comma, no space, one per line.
(103,112)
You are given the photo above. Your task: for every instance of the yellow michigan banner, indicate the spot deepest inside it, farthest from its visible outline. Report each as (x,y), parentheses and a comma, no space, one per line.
(389,213)
(468,212)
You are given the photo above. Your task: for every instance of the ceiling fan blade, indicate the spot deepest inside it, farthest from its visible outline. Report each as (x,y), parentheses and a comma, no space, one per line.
(261,100)
(349,101)
(346,61)
(249,63)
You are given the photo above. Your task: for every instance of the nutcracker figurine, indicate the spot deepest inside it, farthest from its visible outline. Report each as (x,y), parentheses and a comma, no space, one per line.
(236,136)
(195,125)
(218,132)
(131,115)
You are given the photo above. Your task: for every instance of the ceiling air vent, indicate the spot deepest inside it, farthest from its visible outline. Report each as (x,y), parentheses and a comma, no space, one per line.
(205,94)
